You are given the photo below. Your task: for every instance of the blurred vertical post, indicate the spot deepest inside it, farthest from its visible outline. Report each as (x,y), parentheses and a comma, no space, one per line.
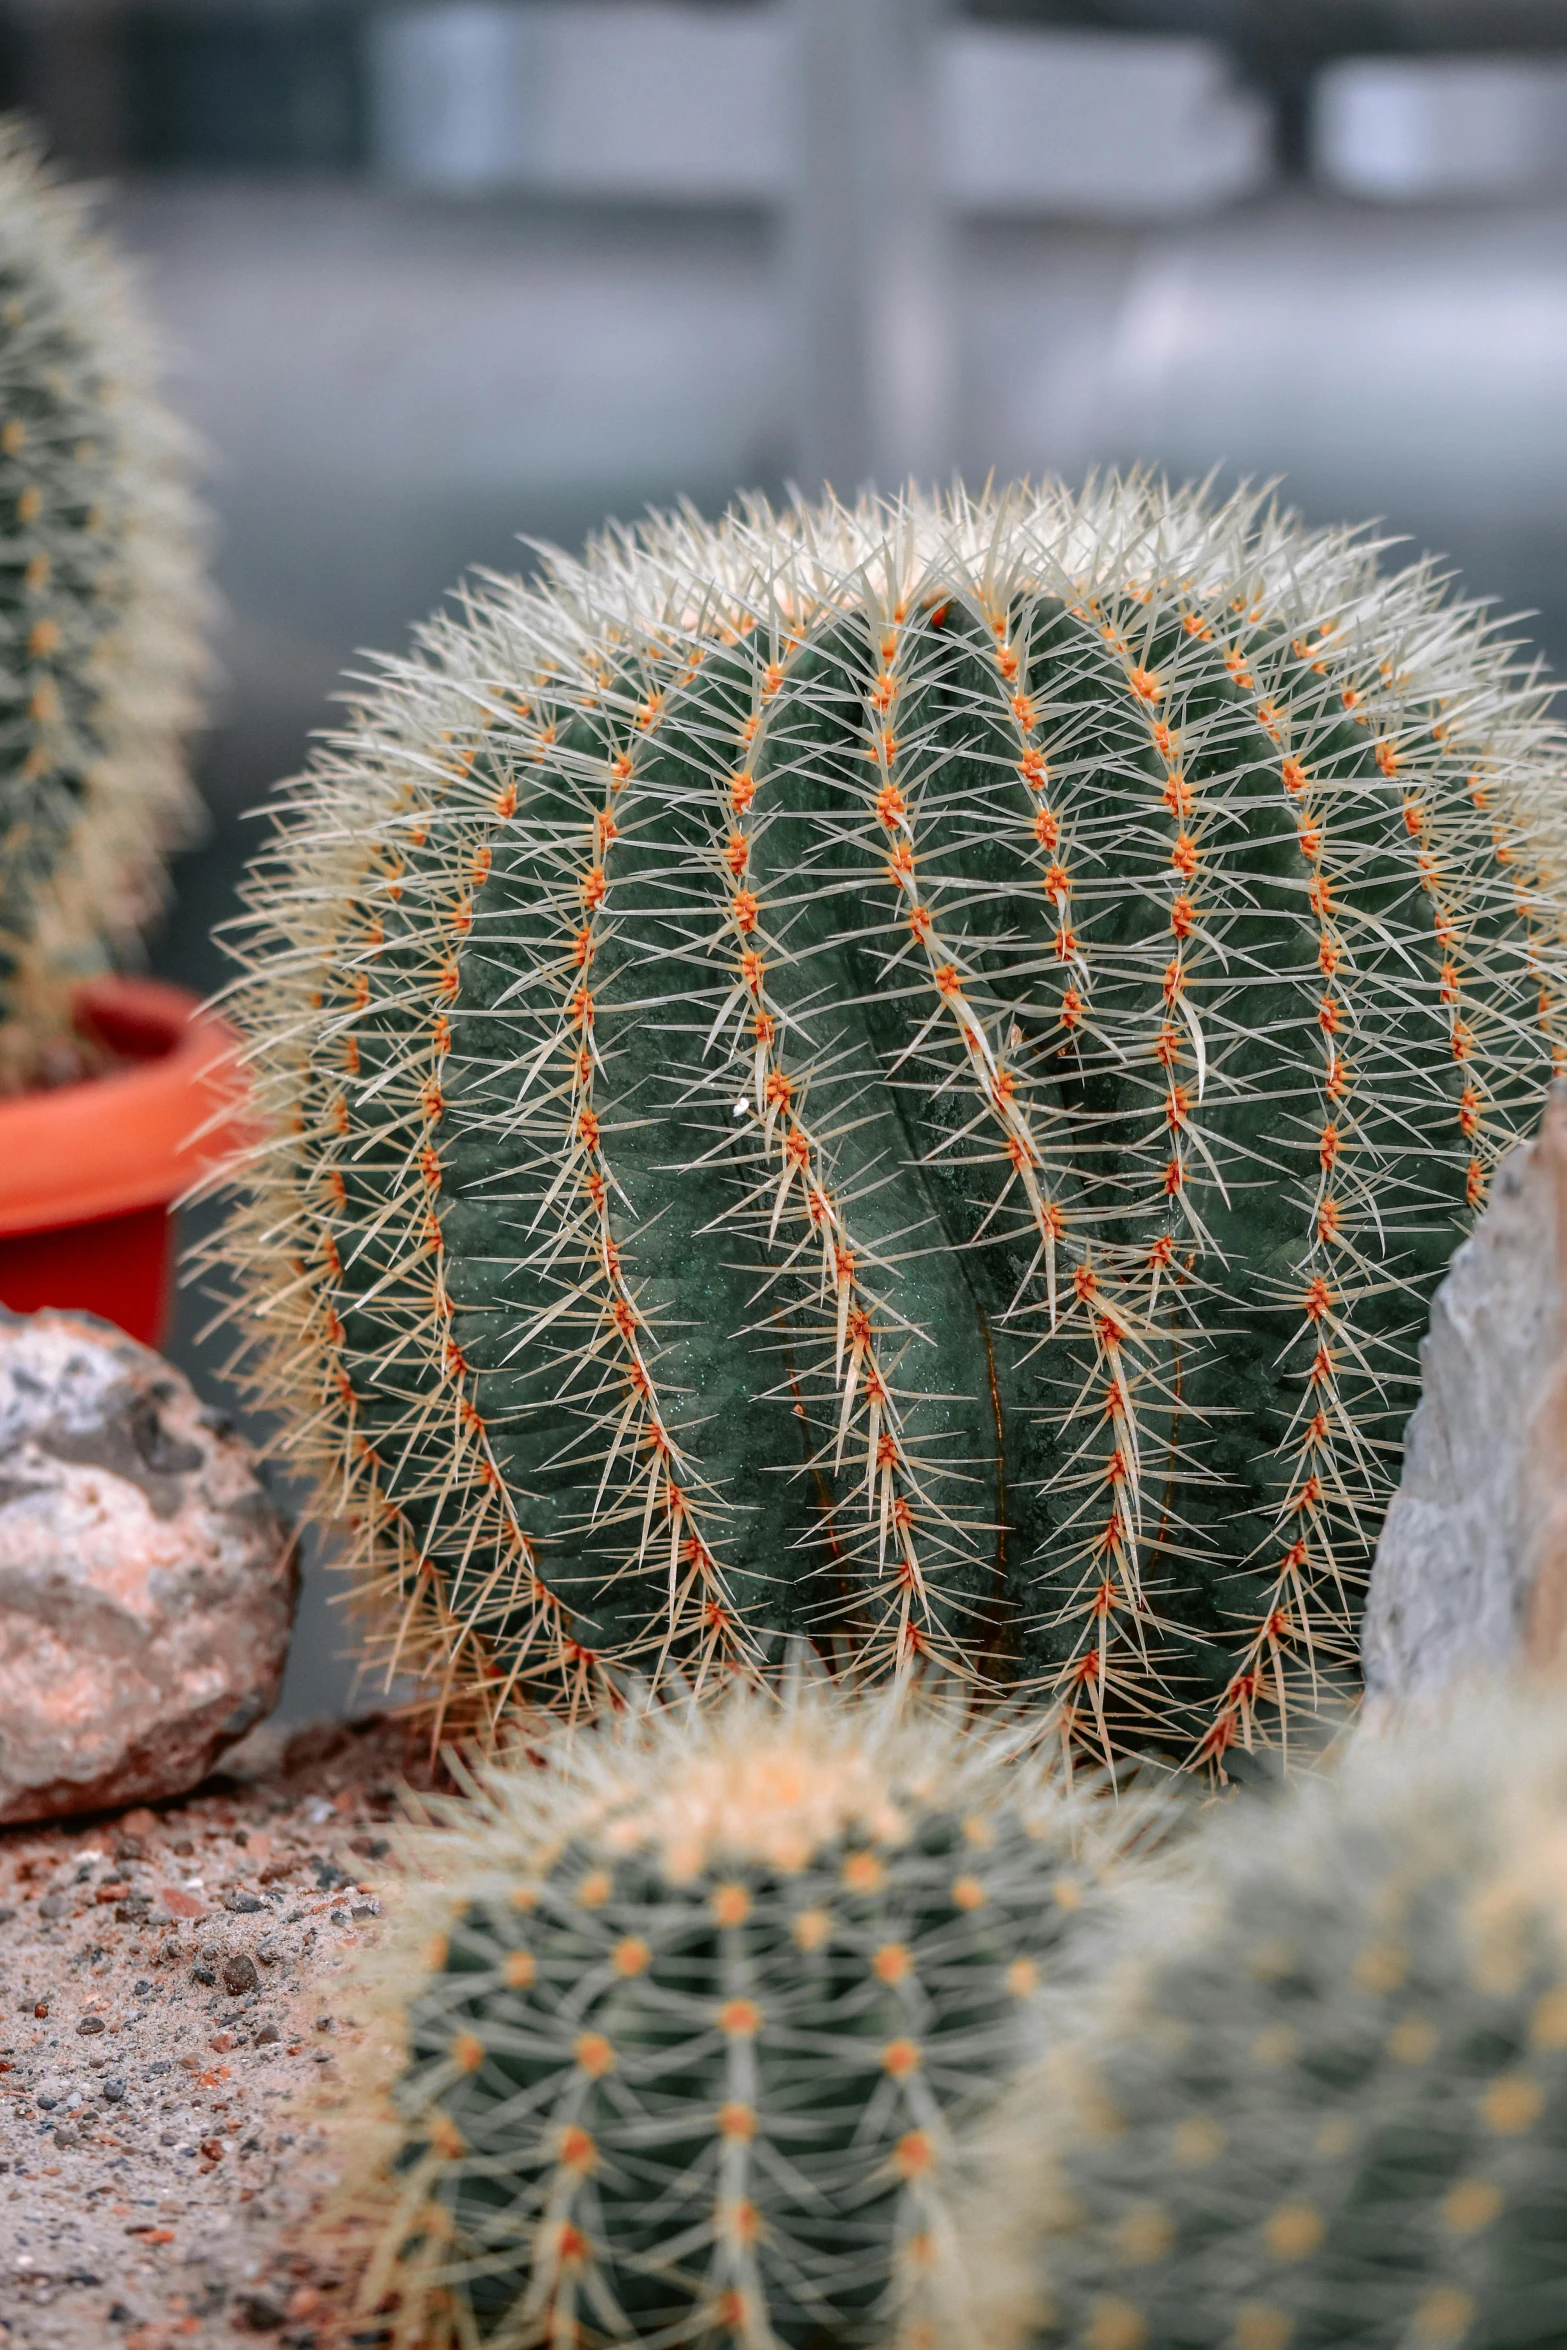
(868,236)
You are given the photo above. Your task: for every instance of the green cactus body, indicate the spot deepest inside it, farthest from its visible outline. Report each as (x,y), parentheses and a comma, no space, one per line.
(710,1995)
(100,611)
(904,1075)
(1321,2104)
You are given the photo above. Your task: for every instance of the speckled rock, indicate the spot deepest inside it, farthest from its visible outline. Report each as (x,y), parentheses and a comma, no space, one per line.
(147,1582)
(1471,1568)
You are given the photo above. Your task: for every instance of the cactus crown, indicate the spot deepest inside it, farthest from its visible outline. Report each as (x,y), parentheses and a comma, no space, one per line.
(1321,2104)
(903,1074)
(100,609)
(706,2001)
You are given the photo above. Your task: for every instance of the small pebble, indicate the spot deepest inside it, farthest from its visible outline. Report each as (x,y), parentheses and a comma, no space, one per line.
(239,1974)
(91,2023)
(260,2312)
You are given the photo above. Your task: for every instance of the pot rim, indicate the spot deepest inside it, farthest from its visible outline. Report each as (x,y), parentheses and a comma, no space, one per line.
(137,1137)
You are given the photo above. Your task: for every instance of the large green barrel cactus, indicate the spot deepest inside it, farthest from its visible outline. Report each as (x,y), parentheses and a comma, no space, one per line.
(707,1998)
(100,611)
(901,1074)
(1323,2104)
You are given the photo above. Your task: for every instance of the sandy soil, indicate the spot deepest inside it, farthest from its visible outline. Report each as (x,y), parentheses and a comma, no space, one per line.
(171,2006)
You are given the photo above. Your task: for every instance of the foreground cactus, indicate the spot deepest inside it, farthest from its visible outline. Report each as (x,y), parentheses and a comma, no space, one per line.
(1324,2107)
(905,1074)
(100,609)
(707,1998)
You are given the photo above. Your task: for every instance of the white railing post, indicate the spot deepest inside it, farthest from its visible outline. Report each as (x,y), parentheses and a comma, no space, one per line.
(867,235)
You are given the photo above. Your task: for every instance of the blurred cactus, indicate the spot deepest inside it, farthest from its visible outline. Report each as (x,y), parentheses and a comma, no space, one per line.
(706,1998)
(100,611)
(905,1075)
(1324,2105)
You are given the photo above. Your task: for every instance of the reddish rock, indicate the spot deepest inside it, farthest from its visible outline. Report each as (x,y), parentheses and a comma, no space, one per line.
(147,1581)
(175,1902)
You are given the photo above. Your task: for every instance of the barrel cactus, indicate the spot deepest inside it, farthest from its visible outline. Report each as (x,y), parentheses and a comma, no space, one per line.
(706,2000)
(100,611)
(1324,2107)
(902,1075)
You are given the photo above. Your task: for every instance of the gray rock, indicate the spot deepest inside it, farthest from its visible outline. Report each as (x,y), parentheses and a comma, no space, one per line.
(147,1581)
(1471,1569)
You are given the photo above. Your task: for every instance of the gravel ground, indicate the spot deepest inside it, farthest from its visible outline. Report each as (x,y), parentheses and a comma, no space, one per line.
(170,2011)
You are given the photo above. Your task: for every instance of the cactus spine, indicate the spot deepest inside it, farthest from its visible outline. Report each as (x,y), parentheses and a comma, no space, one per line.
(1322,2103)
(903,1074)
(707,1998)
(100,610)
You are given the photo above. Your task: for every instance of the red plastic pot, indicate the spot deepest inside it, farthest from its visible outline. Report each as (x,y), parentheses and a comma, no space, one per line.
(89,1172)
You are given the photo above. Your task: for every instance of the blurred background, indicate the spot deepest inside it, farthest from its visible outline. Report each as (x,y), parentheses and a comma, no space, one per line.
(434,278)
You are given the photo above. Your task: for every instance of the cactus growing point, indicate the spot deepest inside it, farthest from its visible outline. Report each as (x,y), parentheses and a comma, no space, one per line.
(706,2000)
(101,605)
(904,1074)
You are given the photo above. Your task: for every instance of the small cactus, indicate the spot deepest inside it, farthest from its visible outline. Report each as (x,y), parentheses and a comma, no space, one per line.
(902,1075)
(707,1997)
(100,611)
(1322,2104)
